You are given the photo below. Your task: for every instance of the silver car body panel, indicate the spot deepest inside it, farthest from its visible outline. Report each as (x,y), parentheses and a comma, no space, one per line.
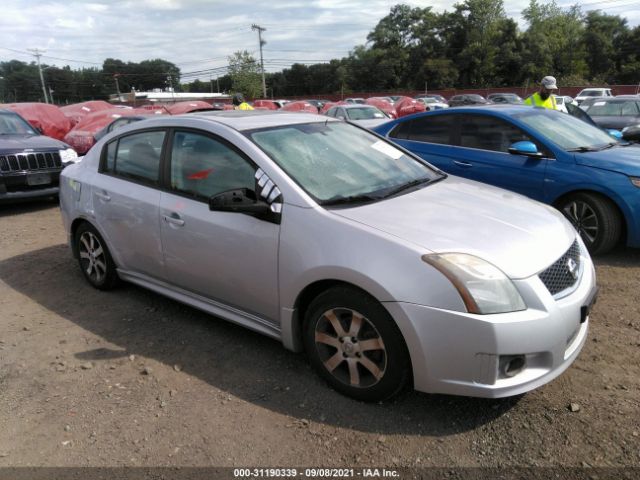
(376,247)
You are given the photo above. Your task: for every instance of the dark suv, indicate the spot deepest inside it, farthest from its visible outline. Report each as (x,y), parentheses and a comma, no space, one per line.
(30,163)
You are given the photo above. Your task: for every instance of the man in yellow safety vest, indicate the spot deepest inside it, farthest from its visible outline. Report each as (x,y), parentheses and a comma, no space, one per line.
(239,103)
(543,97)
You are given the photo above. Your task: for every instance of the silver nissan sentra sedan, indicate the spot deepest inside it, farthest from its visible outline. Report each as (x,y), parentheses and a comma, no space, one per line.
(383,269)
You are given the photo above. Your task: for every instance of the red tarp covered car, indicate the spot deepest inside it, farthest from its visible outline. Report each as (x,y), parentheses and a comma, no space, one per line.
(47,118)
(76,111)
(299,106)
(383,105)
(408,106)
(81,137)
(266,104)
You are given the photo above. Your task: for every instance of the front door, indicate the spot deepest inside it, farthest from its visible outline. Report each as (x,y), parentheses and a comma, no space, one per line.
(228,257)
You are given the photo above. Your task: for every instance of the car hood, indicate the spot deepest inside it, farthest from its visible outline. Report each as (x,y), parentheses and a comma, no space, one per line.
(518,235)
(624,160)
(18,143)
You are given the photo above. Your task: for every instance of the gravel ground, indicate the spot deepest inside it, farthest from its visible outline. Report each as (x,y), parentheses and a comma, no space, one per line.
(130,378)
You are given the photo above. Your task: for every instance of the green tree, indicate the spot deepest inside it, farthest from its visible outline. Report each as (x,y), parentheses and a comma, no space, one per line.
(602,36)
(245,74)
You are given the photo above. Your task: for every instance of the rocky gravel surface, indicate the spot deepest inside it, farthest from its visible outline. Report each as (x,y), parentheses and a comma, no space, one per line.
(130,378)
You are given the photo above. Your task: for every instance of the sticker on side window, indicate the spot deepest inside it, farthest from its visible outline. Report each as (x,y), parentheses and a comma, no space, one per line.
(599,104)
(387,149)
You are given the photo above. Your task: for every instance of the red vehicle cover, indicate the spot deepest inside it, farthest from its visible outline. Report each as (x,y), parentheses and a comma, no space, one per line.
(48,118)
(325,108)
(299,106)
(186,107)
(408,106)
(265,104)
(81,136)
(383,105)
(76,111)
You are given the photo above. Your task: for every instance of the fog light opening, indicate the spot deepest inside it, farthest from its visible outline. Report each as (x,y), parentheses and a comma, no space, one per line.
(513,365)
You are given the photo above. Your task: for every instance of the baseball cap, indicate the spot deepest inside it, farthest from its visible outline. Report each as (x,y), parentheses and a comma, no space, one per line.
(549,83)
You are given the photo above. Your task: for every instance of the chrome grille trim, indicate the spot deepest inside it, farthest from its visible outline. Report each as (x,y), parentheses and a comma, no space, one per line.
(558,278)
(20,162)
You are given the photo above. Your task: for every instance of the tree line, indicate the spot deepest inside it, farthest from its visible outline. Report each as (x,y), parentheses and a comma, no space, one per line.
(476,45)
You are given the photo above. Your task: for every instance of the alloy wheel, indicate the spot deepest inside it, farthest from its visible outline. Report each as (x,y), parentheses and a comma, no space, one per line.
(350,347)
(92,257)
(583,218)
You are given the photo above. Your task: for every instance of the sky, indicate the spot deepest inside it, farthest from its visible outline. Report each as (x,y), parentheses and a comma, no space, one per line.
(199,35)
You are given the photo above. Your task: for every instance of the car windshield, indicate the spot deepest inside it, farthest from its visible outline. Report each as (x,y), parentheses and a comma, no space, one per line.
(591,93)
(568,132)
(11,124)
(612,109)
(337,163)
(364,113)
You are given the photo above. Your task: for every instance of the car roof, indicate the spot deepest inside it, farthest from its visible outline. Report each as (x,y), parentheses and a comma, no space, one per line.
(245,119)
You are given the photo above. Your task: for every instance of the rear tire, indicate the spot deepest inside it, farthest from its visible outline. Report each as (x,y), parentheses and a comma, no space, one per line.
(94,258)
(596,219)
(354,344)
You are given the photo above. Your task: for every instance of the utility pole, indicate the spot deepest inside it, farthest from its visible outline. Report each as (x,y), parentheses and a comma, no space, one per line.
(262,42)
(115,76)
(37,53)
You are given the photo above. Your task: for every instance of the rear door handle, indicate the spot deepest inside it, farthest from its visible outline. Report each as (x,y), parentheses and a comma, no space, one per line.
(173,219)
(463,164)
(103,196)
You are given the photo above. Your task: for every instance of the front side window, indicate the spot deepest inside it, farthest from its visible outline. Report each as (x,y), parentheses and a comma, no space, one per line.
(489,133)
(202,166)
(335,161)
(136,156)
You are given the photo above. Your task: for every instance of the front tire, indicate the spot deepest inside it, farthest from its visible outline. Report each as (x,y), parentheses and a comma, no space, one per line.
(354,344)
(94,258)
(596,219)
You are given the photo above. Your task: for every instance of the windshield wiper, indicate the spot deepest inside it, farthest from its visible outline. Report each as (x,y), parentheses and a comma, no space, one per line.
(593,148)
(583,149)
(406,186)
(351,199)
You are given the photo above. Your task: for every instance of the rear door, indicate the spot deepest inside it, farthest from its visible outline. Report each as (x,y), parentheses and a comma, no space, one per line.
(126,200)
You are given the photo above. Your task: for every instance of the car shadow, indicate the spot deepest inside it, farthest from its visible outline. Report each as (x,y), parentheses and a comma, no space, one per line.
(18,207)
(620,256)
(235,360)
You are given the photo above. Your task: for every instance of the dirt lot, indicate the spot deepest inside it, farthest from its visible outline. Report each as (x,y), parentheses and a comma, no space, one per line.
(129,378)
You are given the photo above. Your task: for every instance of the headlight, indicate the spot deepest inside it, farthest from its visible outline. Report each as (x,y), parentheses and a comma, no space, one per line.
(635,181)
(484,288)
(68,155)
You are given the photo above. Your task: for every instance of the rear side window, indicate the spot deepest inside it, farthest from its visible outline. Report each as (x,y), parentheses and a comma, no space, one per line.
(435,129)
(136,156)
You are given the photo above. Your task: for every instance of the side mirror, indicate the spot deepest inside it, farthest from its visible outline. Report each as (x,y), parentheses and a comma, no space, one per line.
(525,148)
(617,134)
(631,134)
(241,200)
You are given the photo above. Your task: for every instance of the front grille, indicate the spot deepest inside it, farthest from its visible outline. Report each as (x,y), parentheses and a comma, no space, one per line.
(20,162)
(558,277)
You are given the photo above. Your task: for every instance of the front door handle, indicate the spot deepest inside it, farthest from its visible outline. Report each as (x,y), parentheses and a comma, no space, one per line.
(463,164)
(103,196)
(174,219)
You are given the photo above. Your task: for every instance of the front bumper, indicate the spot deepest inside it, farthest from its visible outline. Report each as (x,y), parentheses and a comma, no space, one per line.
(464,354)
(21,185)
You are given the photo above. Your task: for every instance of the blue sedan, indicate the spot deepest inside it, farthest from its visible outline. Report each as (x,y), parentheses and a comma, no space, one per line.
(546,155)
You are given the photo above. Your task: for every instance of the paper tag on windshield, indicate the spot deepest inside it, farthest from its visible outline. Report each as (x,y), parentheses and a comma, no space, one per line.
(599,104)
(387,149)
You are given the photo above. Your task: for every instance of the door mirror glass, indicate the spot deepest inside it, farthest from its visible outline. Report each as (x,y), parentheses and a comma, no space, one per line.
(525,148)
(631,134)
